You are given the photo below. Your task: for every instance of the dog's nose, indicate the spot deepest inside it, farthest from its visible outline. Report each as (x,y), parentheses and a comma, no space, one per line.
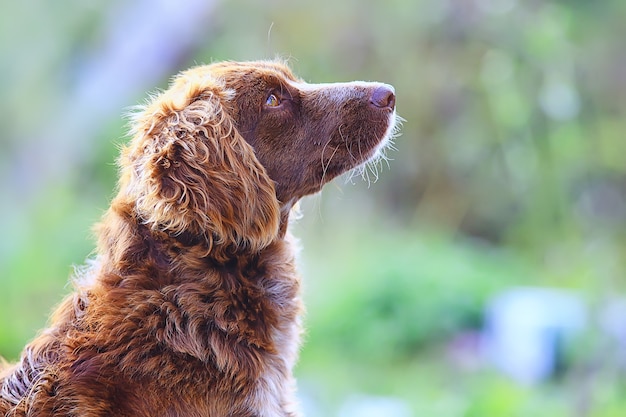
(384,97)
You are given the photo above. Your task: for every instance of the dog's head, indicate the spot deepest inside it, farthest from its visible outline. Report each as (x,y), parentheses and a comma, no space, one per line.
(229,146)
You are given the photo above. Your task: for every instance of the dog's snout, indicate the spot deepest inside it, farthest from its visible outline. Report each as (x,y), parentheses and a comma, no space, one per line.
(383,97)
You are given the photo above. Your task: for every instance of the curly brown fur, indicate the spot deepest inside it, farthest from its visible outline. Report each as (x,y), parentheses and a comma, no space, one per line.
(191,306)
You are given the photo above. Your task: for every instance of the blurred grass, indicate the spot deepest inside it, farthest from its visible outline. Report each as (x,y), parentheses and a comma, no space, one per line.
(36,267)
(397,313)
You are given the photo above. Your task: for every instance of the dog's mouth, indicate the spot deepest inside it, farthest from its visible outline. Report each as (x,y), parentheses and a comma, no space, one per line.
(383,100)
(386,142)
(360,143)
(369,168)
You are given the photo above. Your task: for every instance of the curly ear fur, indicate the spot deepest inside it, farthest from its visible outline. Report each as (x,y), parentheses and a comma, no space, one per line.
(190,171)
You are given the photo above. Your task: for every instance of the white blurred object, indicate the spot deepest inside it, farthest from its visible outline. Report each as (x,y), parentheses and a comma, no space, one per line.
(613,320)
(365,406)
(559,99)
(525,328)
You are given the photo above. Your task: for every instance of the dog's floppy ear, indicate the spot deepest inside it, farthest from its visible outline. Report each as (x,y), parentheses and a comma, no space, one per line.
(189,171)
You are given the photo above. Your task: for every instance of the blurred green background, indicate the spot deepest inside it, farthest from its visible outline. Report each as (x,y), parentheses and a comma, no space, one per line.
(510,173)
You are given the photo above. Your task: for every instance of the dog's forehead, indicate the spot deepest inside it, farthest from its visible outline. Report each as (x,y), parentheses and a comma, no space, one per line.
(267,71)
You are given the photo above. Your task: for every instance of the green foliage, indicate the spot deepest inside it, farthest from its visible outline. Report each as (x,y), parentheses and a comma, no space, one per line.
(389,297)
(385,309)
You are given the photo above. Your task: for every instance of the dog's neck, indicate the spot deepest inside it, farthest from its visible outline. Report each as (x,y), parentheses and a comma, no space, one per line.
(286,209)
(123,238)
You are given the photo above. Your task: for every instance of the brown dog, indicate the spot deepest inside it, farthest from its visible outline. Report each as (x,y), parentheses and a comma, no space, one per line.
(192,305)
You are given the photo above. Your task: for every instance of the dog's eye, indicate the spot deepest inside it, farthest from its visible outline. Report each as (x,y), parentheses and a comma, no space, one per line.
(272,101)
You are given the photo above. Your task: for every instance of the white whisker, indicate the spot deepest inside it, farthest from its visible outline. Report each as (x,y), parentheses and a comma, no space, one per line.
(325,166)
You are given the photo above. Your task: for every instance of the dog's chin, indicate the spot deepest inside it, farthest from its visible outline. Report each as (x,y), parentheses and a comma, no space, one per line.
(368,168)
(386,142)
